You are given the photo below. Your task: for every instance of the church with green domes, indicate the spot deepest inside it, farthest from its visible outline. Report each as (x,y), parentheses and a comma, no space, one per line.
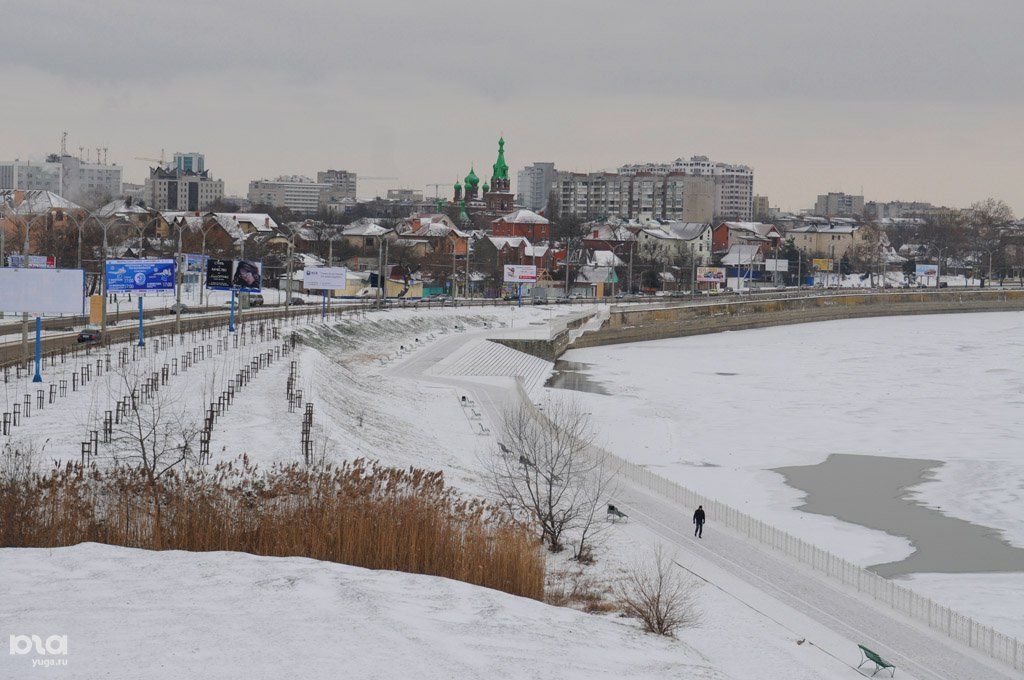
(493,197)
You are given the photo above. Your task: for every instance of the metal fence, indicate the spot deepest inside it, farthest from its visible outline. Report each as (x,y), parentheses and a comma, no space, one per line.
(957,626)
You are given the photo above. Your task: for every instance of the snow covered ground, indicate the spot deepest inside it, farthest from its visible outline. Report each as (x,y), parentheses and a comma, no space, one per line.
(718,412)
(139,614)
(373,396)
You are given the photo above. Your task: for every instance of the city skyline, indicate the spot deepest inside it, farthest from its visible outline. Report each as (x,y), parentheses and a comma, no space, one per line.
(884,101)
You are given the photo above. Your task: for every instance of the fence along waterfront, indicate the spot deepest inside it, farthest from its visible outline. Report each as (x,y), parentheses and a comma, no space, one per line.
(946,620)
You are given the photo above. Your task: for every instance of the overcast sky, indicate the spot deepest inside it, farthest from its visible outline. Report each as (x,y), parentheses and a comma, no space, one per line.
(904,99)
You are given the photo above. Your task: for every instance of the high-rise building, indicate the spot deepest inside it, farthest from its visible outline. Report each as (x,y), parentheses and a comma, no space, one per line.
(898,209)
(694,190)
(190,162)
(66,175)
(407,195)
(836,203)
(177,189)
(342,182)
(295,192)
(762,210)
(534,184)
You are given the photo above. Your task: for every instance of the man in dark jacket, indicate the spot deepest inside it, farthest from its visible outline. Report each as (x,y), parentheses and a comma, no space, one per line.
(698,521)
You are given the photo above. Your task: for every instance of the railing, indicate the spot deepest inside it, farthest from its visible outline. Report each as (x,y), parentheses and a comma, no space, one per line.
(946,620)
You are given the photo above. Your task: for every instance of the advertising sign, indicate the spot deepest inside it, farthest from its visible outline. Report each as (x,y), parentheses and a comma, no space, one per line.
(195,264)
(710,274)
(925,270)
(822,264)
(140,276)
(325,278)
(771,265)
(242,275)
(520,273)
(42,291)
(32,261)
(218,274)
(247,276)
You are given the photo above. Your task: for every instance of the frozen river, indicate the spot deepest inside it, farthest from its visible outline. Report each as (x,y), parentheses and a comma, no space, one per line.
(719,413)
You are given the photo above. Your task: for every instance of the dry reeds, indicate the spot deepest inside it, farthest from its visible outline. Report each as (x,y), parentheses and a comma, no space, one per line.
(358,513)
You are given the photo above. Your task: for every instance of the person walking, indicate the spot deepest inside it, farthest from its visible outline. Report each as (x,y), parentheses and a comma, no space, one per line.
(698,521)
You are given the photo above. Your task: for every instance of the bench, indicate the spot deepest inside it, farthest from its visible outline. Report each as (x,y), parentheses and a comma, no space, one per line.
(614,514)
(873,657)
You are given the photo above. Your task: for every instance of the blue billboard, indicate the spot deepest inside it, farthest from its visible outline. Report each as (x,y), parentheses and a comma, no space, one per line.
(140,276)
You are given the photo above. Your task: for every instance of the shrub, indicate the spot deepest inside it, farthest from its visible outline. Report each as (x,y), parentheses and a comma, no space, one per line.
(358,513)
(660,596)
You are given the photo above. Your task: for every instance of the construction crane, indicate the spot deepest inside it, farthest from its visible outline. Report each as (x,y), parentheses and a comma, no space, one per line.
(437,188)
(162,160)
(365,179)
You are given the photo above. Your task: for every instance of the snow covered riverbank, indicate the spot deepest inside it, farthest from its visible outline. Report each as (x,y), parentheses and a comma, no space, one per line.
(718,412)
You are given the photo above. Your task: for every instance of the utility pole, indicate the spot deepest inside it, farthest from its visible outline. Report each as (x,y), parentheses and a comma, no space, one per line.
(468,240)
(288,293)
(178,274)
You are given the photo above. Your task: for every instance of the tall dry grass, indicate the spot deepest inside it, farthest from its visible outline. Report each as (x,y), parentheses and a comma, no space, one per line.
(358,513)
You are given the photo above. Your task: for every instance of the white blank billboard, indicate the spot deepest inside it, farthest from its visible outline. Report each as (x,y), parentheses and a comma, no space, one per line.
(41,291)
(324,278)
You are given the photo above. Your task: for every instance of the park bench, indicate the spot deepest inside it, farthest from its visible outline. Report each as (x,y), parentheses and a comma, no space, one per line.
(873,657)
(614,514)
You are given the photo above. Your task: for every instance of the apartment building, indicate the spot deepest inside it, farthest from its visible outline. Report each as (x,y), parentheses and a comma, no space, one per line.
(65,175)
(342,183)
(690,190)
(295,192)
(176,189)
(534,184)
(836,203)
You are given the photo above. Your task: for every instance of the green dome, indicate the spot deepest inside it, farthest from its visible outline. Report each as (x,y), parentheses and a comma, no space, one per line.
(486,187)
(457,185)
(500,168)
(471,179)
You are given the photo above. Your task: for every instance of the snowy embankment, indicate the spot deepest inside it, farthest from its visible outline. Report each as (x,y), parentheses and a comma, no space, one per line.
(717,413)
(139,614)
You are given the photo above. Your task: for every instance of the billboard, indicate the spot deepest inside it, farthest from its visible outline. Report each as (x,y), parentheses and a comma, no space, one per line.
(710,274)
(243,275)
(32,261)
(822,264)
(195,264)
(325,278)
(771,265)
(140,276)
(520,273)
(926,270)
(42,291)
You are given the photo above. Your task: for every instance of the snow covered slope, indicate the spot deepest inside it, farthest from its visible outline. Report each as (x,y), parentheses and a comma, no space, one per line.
(162,615)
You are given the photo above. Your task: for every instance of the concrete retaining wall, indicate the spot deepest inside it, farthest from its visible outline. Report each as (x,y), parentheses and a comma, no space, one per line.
(672,321)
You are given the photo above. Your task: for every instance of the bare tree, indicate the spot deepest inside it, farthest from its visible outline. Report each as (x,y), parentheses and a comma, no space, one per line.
(547,473)
(156,434)
(660,595)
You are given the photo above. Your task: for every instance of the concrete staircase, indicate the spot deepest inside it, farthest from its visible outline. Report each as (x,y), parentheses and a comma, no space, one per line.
(486,358)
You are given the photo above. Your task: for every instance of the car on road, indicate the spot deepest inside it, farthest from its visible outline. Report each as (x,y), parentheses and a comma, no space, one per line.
(297,301)
(178,308)
(89,335)
(255,300)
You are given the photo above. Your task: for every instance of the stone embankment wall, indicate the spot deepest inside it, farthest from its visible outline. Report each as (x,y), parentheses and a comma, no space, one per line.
(679,320)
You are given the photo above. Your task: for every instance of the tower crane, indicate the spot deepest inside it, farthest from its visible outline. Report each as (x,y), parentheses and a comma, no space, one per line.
(162,160)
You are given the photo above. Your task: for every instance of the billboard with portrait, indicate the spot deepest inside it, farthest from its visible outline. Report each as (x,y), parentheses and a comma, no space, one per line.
(240,275)
(140,276)
(822,264)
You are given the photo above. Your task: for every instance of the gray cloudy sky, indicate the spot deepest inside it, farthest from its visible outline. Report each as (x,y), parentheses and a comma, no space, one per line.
(909,99)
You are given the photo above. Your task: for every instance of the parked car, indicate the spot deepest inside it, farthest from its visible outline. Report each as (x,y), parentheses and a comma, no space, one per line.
(178,308)
(255,300)
(298,301)
(89,335)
